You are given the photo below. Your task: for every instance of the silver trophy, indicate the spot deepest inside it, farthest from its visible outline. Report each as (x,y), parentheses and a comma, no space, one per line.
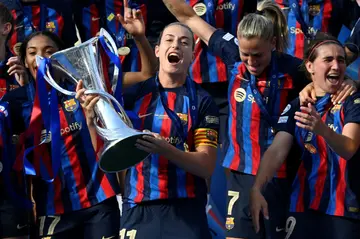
(115,128)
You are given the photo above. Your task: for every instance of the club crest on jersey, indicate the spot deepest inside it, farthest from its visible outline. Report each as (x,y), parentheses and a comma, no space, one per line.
(70,105)
(311,148)
(229,223)
(335,109)
(50,26)
(314,10)
(211,135)
(183,118)
(240,95)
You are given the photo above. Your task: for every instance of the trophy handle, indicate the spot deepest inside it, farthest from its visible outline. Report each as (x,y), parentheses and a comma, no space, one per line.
(113,48)
(53,83)
(102,131)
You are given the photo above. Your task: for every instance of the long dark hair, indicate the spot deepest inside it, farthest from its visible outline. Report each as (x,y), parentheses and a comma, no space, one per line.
(52,36)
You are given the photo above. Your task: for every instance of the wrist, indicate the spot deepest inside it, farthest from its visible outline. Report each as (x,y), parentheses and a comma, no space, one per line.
(90,122)
(256,188)
(139,37)
(326,132)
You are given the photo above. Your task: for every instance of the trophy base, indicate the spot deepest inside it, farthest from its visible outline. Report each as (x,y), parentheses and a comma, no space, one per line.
(121,154)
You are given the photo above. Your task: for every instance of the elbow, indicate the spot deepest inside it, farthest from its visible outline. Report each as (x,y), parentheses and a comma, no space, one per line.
(351,152)
(208,172)
(150,71)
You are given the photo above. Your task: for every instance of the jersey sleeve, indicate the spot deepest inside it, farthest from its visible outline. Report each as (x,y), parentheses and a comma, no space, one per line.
(132,94)
(297,73)
(352,109)
(20,107)
(286,121)
(206,130)
(224,45)
(353,42)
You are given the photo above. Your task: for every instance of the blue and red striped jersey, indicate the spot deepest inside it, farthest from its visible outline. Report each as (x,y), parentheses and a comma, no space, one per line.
(7,82)
(325,181)
(12,122)
(250,132)
(79,183)
(228,13)
(325,16)
(206,68)
(33,17)
(102,14)
(156,177)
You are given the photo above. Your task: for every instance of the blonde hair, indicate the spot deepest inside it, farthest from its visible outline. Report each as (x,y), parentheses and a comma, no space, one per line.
(255,25)
(272,11)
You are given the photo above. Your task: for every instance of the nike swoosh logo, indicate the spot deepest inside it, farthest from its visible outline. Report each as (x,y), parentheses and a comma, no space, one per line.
(19,227)
(17,27)
(279,229)
(145,115)
(107,237)
(95,19)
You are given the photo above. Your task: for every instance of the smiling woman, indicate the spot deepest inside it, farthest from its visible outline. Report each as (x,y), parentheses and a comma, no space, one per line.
(72,199)
(323,192)
(175,52)
(165,195)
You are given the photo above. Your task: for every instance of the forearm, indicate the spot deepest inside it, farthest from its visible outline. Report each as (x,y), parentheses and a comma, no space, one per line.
(196,163)
(121,180)
(149,62)
(185,14)
(181,10)
(93,134)
(270,163)
(342,145)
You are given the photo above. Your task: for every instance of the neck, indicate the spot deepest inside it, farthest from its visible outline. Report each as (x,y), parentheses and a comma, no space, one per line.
(171,80)
(2,51)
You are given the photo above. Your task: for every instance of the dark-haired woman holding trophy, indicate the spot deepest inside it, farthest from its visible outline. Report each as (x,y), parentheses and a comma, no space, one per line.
(74,198)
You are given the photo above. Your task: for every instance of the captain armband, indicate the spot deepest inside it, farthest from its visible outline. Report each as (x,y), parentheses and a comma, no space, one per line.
(206,137)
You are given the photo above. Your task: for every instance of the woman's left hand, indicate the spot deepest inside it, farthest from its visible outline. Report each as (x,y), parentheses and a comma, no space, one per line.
(310,119)
(17,69)
(153,143)
(347,88)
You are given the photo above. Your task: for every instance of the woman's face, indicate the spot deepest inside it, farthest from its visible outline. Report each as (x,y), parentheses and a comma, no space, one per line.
(175,51)
(39,45)
(328,69)
(255,53)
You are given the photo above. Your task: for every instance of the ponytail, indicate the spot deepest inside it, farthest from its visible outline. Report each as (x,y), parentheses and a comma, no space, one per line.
(271,10)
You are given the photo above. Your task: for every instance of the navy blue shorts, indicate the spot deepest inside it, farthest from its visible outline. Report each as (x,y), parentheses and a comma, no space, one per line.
(313,225)
(97,222)
(166,219)
(239,222)
(14,221)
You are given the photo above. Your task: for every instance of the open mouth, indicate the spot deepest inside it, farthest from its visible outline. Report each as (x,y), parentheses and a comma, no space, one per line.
(174,58)
(333,78)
